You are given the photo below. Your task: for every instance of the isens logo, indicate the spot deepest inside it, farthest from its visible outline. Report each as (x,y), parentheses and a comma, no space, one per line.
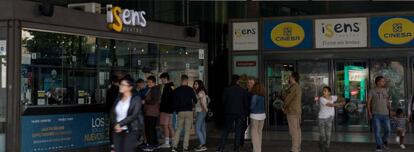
(330,30)
(117,18)
(287,34)
(396,31)
(244,32)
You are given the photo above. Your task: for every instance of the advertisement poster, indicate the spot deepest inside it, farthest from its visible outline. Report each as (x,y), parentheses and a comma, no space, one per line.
(287,34)
(43,133)
(341,33)
(387,31)
(246,65)
(245,36)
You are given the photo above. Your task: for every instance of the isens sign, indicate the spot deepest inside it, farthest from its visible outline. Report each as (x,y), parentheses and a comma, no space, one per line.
(118,18)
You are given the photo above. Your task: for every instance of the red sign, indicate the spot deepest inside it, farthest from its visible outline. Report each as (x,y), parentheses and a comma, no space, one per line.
(246,63)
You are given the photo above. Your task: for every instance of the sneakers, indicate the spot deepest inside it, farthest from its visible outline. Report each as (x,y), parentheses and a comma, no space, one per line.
(397,139)
(379,148)
(165,146)
(148,149)
(402,146)
(201,148)
(174,149)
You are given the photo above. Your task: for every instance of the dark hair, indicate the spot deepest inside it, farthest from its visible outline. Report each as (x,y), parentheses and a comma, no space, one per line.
(234,79)
(184,77)
(259,89)
(201,86)
(152,78)
(328,88)
(114,79)
(165,75)
(377,79)
(399,111)
(128,80)
(140,81)
(295,76)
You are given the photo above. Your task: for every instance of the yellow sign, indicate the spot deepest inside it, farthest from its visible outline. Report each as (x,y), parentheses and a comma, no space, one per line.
(396,31)
(287,34)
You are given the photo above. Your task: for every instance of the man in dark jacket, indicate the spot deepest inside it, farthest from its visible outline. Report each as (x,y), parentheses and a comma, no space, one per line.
(235,102)
(151,113)
(184,99)
(166,109)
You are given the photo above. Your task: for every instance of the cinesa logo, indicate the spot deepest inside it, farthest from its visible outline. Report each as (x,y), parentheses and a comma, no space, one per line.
(98,122)
(244,32)
(287,34)
(117,18)
(329,30)
(396,31)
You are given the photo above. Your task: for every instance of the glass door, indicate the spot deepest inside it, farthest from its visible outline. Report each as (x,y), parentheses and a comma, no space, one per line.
(351,82)
(277,80)
(314,75)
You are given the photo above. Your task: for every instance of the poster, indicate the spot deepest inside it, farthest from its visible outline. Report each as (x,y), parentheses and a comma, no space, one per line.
(3,47)
(246,65)
(245,36)
(341,33)
(43,133)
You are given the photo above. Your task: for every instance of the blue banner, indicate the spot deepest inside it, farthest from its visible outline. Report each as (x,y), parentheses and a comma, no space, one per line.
(389,31)
(60,132)
(278,34)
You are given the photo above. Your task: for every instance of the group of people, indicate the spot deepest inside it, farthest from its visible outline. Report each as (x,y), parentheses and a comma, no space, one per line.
(137,108)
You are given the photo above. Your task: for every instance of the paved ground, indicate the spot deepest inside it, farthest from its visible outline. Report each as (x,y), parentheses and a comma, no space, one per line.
(308,146)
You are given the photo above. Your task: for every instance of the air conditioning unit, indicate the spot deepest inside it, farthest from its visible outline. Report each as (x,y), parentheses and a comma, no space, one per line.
(86,7)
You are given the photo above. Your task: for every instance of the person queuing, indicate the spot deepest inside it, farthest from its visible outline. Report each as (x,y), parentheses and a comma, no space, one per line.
(293,109)
(141,88)
(166,109)
(201,110)
(327,104)
(257,115)
(235,102)
(379,107)
(127,118)
(151,113)
(184,99)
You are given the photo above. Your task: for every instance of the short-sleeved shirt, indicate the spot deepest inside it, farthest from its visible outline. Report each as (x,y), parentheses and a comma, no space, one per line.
(401,122)
(325,111)
(379,101)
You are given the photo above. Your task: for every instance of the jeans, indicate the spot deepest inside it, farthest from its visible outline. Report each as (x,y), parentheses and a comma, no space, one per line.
(232,120)
(201,127)
(325,131)
(381,121)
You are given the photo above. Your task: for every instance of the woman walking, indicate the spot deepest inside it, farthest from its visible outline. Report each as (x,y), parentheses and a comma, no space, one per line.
(201,110)
(127,118)
(257,115)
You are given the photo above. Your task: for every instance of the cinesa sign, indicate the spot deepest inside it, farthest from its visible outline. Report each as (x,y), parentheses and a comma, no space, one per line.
(118,18)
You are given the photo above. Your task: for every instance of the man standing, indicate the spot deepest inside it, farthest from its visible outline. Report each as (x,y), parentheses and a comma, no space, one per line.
(166,109)
(141,88)
(293,110)
(151,112)
(379,107)
(184,99)
(235,102)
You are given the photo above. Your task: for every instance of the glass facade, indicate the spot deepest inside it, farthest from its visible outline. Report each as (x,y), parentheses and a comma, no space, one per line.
(3,87)
(64,69)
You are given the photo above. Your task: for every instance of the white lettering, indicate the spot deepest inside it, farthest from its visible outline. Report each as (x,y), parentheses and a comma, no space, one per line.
(126,16)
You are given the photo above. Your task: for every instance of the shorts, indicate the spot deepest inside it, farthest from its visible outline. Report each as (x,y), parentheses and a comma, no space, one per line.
(165,118)
(402,130)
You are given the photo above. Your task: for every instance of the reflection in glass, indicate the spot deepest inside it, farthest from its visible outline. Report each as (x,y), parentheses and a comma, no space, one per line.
(313,77)
(277,81)
(351,84)
(393,71)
